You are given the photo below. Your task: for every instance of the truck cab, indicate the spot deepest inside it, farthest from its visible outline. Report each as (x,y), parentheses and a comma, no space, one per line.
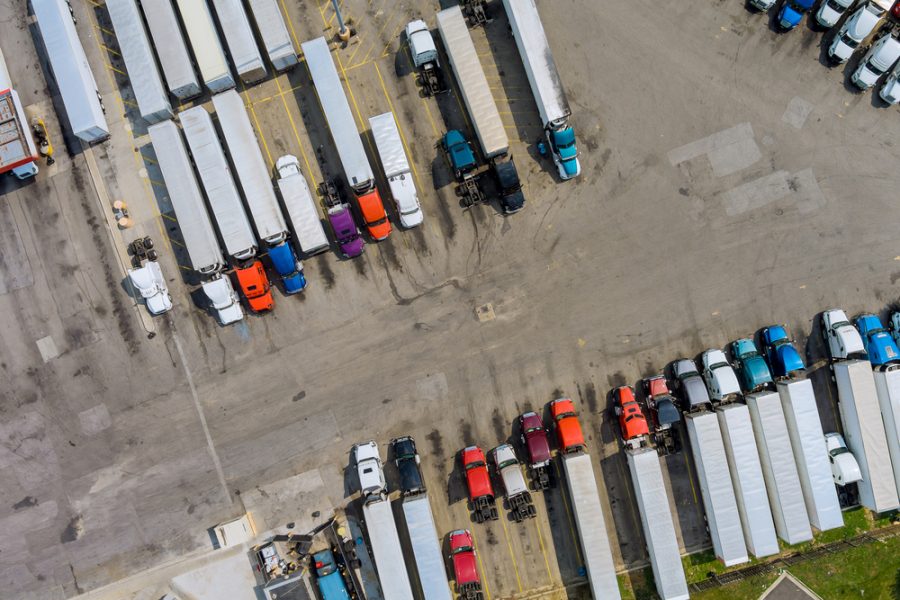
(425,57)
(792,13)
(719,375)
(841,338)
(568,430)
(784,360)
(877,61)
(465,565)
(534,439)
(372,209)
(406,458)
(368,468)
(663,411)
(844,468)
(341,219)
(517,495)
(459,153)
(890,89)
(694,394)
(632,422)
(752,369)
(288,267)
(512,200)
(564,152)
(255,285)
(328,577)
(879,345)
(223,300)
(830,12)
(854,30)
(151,285)
(478,481)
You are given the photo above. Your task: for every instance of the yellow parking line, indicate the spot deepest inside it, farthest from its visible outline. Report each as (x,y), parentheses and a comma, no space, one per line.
(287,17)
(119,71)
(108,49)
(262,138)
(399,127)
(509,545)
(384,51)
(179,244)
(389,19)
(358,65)
(569,518)
(690,477)
(171,218)
(424,103)
(487,590)
(543,551)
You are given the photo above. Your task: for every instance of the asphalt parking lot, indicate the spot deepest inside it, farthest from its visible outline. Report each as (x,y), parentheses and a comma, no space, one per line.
(729,182)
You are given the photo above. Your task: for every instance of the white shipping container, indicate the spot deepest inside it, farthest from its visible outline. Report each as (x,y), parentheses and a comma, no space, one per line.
(241,44)
(218,182)
(149,91)
(250,166)
(190,210)
(659,528)
(301,211)
(779,468)
(473,84)
(887,385)
(274,33)
(808,443)
(71,70)
(171,49)
(386,550)
(201,31)
(865,435)
(747,478)
(722,517)
(426,548)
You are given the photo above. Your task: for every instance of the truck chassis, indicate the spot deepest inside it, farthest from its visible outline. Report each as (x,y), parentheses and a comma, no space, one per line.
(521,507)
(471,591)
(483,509)
(431,80)
(475,12)
(540,478)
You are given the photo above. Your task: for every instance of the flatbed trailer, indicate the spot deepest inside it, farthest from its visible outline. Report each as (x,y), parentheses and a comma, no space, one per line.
(17,150)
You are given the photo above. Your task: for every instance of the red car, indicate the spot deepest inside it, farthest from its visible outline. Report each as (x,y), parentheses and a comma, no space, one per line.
(632,422)
(534,438)
(478,480)
(465,565)
(255,284)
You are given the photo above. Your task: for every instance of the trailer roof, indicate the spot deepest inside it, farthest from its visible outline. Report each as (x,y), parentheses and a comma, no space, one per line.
(239,37)
(426,548)
(170,48)
(472,82)
(386,550)
(204,40)
(389,144)
(337,112)
(273,31)
(16,145)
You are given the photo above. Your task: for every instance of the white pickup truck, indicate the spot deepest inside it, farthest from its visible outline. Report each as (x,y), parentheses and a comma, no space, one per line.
(517,495)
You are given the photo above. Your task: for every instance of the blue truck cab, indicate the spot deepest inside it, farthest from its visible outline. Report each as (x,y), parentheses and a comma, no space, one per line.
(565,152)
(792,13)
(459,151)
(328,577)
(751,367)
(783,358)
(288,267)
(877,341)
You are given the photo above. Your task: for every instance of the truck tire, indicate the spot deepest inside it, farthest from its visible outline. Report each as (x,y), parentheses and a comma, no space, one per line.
(494,514)
(479,518)
(527,497)
(532,512)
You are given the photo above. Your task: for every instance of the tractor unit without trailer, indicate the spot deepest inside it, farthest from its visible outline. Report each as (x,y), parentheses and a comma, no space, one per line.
(518,497)
(478,481)
(482,109)
(465,565)
(582,484)
(537,447)
(664,414)
(425,58)
(546,86)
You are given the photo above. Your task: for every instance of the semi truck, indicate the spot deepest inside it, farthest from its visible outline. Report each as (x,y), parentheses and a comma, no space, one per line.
(482,109)
(201,31)
(747,479)
(240,40)
(218,182)
(346,136)
(518,498)
(223,300)
(779,468)
(300,207)
(251,168)
(426,547)
(184,193)
(149,282)
(425,58)
(798,401)
(656,519)
(396,169)
(478,482)
(274,34)
(865,434)
(386,550)
(18,154)
(546,85)
(340,217)
(149,92)
(887,387)
(177,67)
(722,516)
(76,83)
(586,508)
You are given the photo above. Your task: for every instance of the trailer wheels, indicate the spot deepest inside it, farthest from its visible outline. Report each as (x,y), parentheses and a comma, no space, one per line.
(479,518)
(494,514)
(532,511)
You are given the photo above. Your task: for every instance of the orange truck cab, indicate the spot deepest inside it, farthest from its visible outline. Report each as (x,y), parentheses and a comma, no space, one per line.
(372,209)
(568,430)
(255,285)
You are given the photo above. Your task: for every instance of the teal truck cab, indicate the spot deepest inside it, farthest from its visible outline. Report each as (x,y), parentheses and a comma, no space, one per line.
(751,367)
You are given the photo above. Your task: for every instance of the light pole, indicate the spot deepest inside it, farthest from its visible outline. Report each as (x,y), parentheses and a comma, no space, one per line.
(343,31)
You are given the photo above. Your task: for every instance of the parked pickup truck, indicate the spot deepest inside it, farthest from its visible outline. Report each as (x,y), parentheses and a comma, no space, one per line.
(150,283)
(841,338)
(465,565)
(534,439)
(329,579)
(751,367)
(664,413)
(517,496)
(632,422)
(784,360)
(478,481)
(879,344)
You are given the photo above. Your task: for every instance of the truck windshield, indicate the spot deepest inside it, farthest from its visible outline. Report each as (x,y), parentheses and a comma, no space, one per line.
(878,71)
(839,451)
(474,465)
(507,463)
(849,41)
(462,549)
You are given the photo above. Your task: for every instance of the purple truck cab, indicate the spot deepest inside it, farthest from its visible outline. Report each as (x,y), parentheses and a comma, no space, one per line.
(345,230)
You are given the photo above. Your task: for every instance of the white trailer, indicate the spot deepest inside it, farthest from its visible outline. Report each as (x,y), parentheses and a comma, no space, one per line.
(84,107)
(184,193)
(747,479)
(396,168)
(201,32)
(386,549)
(239,37)
(173,54)
(779,468)
(656,518)
(546,86)
(865,435)
(149,91)
(274,33)
(426,547)
(473,84)
(250,166)
(598,559)
(300,207)
(711,462)
(810,455)
(18,154)
(887,386)
(218,182)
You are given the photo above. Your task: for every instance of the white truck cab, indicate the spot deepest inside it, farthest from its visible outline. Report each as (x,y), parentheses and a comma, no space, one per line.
(223,300)
(844,468)
(854,31)
(368,467)
(831,10)
(517,495)
(877,61)
(421,44)
(719,376)
(890,89)
(842,338)
(150,283)
(762,5)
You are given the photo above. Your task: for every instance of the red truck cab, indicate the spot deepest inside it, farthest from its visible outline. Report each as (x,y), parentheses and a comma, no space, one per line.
(255,284)
(465,565)
(568,430)
(632,421)
(372,209)
(478,481)
(534,438)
